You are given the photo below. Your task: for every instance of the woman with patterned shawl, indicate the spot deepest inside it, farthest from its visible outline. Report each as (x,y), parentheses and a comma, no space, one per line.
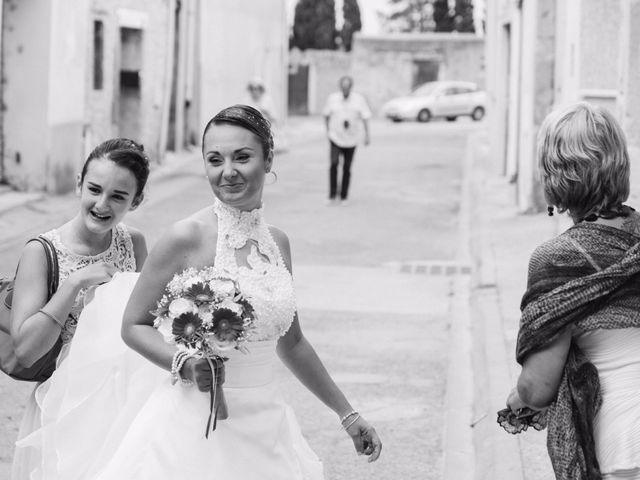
(579,337)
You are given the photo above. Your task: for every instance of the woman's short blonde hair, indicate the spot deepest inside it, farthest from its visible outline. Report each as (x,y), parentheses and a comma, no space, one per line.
(583,160)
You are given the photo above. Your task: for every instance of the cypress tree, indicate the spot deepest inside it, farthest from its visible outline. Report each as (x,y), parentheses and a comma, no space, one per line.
(352,22)
(314,25)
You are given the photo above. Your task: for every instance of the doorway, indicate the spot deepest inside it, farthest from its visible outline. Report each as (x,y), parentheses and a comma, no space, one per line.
(129,116)
(425,71)
(299,90)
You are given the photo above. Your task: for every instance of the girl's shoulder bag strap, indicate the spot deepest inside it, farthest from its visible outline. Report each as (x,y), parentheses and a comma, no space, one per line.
(52,264)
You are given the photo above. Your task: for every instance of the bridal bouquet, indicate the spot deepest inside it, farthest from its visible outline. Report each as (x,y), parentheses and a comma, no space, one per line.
(204,313)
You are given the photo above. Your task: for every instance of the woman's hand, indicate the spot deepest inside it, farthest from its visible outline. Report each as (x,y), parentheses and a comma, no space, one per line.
(514,402)
(94,274)
(199,372)
(365,439)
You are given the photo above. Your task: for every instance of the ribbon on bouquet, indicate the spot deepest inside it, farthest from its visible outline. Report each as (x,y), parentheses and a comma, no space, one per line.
(217,402)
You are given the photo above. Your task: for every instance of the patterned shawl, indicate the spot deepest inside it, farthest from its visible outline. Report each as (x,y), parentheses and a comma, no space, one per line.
(587,277)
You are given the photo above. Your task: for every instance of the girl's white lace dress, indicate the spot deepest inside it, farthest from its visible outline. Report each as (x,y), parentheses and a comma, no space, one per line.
(114,415)
(120,254)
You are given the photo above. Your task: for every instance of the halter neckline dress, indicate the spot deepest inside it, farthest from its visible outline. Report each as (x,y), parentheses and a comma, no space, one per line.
(148,428)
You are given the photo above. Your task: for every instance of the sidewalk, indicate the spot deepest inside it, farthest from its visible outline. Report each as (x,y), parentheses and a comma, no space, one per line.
(296,130)
(10,198)
(502,241)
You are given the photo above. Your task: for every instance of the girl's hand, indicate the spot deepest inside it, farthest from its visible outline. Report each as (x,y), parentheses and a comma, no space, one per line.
(198,371)
(365,439)
(94,274)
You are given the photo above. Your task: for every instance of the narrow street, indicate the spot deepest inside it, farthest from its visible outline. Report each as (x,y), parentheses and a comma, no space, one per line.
(374,281)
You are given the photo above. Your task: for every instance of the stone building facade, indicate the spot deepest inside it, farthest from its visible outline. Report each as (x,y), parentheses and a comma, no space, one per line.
(80,71)
(545,53)
(387,66)
(392,65)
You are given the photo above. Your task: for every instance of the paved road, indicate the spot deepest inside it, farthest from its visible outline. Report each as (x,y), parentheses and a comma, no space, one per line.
(382,333)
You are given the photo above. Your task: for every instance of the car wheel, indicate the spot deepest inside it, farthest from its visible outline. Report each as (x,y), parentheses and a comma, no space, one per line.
(451,119)
(477,114)
(424,115)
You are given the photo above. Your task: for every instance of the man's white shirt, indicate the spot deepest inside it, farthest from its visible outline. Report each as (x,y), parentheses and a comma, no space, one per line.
(345,118)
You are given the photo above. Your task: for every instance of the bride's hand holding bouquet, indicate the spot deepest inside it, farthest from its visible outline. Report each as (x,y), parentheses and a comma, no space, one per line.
(205,315)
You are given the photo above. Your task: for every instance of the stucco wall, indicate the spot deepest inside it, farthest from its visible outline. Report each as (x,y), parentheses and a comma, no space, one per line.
(26,92)
(383,65)
(157,47)
(66,107)
(545,60)
(600,42)
(44,92)
(631,121)
(240,40)
(326,67)
(49,91)
(545,64)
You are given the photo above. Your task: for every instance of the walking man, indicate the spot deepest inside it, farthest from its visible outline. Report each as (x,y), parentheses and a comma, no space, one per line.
(343,112)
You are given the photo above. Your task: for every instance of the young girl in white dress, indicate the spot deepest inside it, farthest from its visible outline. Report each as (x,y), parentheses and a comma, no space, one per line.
(116,411)
(90,247)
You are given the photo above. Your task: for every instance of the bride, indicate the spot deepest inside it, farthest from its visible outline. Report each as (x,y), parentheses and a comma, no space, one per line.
(110,414)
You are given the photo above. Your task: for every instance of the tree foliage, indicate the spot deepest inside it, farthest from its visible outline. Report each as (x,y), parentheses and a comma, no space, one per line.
(430,15)
(314,25)
(463,21)
(352,22)
(410,16)
(442,16)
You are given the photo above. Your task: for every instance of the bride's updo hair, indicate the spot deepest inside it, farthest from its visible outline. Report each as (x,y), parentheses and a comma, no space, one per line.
(248,118)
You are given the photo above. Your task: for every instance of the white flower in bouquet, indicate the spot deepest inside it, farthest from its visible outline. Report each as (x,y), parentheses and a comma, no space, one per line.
(231,305)
(204,312)
(180,306)
(223,287)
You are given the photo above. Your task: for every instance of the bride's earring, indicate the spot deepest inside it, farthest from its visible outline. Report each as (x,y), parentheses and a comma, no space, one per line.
(550,210)
(275,177)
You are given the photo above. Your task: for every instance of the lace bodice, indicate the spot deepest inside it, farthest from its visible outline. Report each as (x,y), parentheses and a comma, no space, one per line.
(266,282)
(120,254)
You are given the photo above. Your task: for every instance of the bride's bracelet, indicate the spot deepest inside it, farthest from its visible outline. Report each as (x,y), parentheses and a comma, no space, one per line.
(347,417)
(355,419)
(176,365)
(181,363)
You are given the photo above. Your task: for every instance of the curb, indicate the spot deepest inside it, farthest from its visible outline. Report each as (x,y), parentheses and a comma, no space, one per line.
(431,267)
(498,453)
(459,456)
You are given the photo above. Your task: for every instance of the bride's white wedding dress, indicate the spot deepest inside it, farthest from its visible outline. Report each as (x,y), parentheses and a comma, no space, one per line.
(109,414)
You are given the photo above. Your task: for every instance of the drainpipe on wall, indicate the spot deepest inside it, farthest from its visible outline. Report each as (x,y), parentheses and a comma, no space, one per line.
(3,178)
(168,79)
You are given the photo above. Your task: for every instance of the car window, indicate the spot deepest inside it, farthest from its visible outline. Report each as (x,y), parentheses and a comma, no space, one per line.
(425,89)
(464,90)
(451,91)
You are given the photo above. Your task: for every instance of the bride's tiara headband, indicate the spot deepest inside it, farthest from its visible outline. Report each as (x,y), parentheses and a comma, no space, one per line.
(249,118)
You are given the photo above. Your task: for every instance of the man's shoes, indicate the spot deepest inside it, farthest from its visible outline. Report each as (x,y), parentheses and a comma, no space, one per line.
(331,202)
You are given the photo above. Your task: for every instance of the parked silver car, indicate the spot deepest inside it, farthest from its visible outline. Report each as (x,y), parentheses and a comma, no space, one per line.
(448,99)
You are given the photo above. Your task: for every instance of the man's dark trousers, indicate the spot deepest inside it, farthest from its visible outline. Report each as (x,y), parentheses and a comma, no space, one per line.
(347,158)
